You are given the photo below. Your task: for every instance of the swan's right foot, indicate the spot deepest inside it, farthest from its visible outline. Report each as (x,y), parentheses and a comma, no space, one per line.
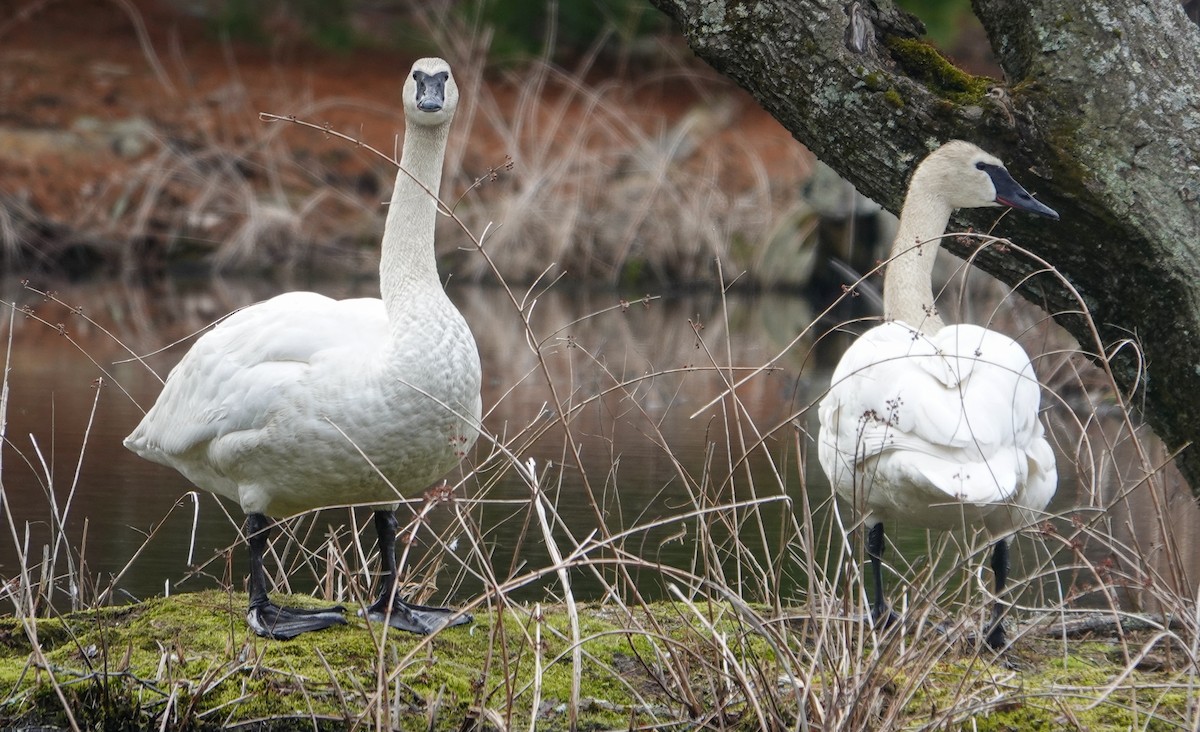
(284,623)
(419,619)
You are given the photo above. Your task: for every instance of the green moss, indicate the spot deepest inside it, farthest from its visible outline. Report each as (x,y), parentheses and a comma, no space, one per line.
(875,81)
(893,97)
(1048,688)
(192,656)
(195,652)
(925,64)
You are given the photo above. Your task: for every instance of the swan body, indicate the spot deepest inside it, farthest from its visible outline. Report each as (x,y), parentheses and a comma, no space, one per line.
(937,426)
(303,402)
(938,431)
(273,406)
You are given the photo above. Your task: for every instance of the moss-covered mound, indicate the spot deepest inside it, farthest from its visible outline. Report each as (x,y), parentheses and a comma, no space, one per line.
(193,658)
(190,662)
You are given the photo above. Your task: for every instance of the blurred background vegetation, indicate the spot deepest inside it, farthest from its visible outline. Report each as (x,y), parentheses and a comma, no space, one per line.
(521,28)
(945,20)
(631,160)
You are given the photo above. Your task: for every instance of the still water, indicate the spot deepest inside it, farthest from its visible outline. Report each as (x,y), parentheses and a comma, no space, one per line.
(651,440)
(652,360)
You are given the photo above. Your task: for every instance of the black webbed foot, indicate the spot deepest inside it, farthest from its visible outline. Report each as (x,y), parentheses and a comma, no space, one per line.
(420,619)
(265,617)
(284,623)
(389,608)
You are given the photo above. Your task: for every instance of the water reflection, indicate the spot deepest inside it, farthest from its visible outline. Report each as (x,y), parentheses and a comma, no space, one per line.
(635,380)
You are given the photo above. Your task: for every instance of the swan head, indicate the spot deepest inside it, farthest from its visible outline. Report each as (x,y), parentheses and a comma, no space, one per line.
(967,177)
(430,92)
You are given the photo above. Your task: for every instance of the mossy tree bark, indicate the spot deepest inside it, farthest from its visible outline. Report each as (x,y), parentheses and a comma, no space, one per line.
(1099,115)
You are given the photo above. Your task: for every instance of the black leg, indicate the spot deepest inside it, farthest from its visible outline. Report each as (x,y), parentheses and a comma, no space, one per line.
(389,608)
(880,612)
(995,636)
(257,528)
(385,527)
(265,617)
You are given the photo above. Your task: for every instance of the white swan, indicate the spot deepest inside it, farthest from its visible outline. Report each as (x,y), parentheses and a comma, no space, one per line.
(277,405)
(936,426)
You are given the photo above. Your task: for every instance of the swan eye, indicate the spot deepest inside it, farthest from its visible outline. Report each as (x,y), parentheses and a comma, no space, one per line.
(415,76)
(980,165)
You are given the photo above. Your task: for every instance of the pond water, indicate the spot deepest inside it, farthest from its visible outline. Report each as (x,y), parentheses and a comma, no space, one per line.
(112,500)
(650,439)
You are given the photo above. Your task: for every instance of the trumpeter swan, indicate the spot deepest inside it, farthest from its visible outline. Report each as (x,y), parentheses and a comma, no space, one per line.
(302,402)
(937,426)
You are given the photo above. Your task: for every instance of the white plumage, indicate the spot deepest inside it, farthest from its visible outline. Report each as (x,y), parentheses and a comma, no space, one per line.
(937,431)
(933,426)
(303,402)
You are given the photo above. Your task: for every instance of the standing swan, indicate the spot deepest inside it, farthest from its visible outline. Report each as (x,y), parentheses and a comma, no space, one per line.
(302,402)
(937,426)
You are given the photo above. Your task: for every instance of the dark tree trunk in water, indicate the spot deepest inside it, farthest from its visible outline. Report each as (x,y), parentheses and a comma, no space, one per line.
(1099,116)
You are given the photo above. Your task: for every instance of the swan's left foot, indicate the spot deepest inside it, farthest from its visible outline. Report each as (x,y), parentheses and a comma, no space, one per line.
(284,623)
(420,619)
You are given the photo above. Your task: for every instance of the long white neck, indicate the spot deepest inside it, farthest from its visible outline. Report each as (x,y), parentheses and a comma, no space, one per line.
(908,282)
(408,263)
